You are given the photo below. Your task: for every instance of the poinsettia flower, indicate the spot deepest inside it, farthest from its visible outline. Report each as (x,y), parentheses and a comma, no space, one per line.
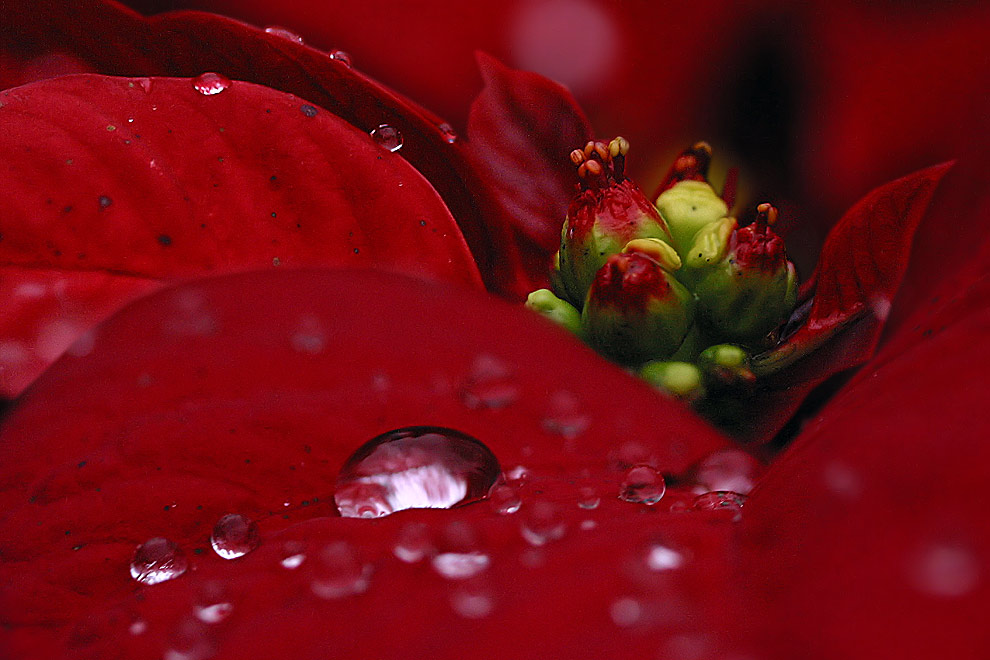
(245,394)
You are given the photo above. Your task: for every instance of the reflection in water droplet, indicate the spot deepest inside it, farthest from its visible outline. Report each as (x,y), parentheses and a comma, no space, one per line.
(157,560)
(336,572)
(460,565)
(210,83)
(626,612)
(279,31)
(721,500)
(504,500)
(341,56)
(728,469)
(588,498)
(388,137)
(643,485)
(663,558)
(490,384)
(448,133)
(542,524)
(413,543)
(564,415)
(944,570)
(420,467)
(234,536)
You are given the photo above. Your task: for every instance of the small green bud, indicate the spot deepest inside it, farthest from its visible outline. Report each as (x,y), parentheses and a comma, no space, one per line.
(688,207)
(636,310)
(727,364)
(747,294)
(561,312)
(681,380)
(609,212)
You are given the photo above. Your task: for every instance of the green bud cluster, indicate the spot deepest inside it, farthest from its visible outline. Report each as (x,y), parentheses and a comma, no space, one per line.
(675,289)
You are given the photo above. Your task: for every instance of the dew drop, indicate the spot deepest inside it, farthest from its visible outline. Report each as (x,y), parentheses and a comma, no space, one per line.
(212,603)
(944,570)
(337,572)
(448,133)
(460,565)
(210,83)
(293,555)
(191,640)
(282,32)
(308,110)
(721,500)
(143,83)
(664,558)
(419,467)
(729,469)
(519,474)
(234,536)
(643,485)
(388,137)
(309,336)
(489,384)
(341,56)
(626,612)
(588,525)
(504,500)
(139,627)
(588,498)
(413,543)
(542,524)
(157,560)
(472,599)
(564,415)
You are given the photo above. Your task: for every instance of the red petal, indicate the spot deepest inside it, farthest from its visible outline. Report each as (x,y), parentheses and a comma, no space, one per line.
(521,129)
(244,392)
(147,179)
(868,537)
(858,275)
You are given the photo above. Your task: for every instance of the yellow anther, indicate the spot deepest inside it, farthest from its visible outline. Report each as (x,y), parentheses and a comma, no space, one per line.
(589,149)
(655,249)
(618,147)
(767,213)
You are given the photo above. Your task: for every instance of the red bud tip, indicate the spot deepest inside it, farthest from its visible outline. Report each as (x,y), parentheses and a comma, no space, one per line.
(691,165)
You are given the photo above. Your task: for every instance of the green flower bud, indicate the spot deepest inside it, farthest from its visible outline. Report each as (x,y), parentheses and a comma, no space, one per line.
(681,380)
(752,289)
(545,303)
(609,212)
(636,310)
(688,207)
(727,365)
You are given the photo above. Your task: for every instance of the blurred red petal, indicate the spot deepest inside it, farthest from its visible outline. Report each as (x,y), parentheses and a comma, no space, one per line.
(148,179)
(241,393)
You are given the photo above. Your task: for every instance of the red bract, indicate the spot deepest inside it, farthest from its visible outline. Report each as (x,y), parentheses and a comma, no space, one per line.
(247,392)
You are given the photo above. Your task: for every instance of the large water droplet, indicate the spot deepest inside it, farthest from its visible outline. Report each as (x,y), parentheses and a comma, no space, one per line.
(157,560)
(234,536)
(388,137)
(282,32)
(337,572)
(420,467)
(504,500)
(643,485)
(460,565)
(721,500)
(542,524)
(490,384)
(341,56)
(448,133)
(728,469)
(210,83)
(413,543)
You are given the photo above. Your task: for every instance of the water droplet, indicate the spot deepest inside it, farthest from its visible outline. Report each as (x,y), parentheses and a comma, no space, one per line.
(626,612)
(191,640)
(212,603)
(157,560)
(293,562)
(309,336)
(388,137)
(293,555)
(564,416)
(721,500)
(944,570)
(542,524)
(210,83)
(643,485)
(729,469)
(308,110)
(472,599)
(588,498)
(234,536)
(460,565)
(519,474)
(139,627)
(419,467)
(448,133)
(413,543)
(588,525)
(337,572)
(341,56)
(282,32)
(143,83)
(504,500)
(664,558)
(490,384)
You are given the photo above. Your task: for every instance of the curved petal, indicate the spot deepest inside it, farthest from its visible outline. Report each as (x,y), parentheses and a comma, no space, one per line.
(148,179)
(245,392)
